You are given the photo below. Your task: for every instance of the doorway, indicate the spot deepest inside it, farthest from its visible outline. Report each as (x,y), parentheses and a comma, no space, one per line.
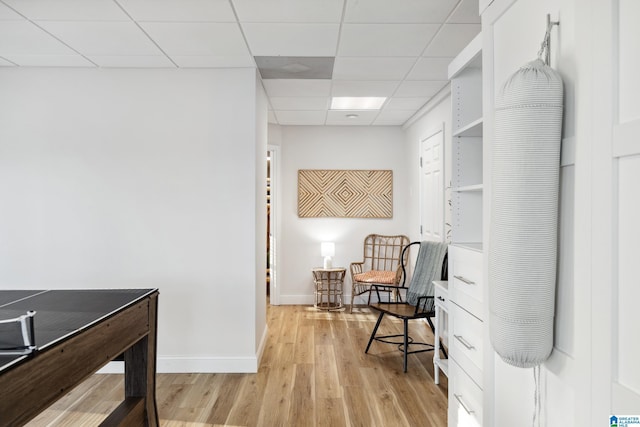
(431,186)
(272,290)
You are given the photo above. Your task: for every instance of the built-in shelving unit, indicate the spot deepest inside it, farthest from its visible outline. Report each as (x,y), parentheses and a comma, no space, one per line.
(466,333)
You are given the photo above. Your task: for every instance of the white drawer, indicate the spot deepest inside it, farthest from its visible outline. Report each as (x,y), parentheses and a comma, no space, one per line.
(465,399)
(466,341)
(465,278)
(441,293)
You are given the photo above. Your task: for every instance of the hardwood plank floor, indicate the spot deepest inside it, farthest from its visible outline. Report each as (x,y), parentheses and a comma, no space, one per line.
(313,372)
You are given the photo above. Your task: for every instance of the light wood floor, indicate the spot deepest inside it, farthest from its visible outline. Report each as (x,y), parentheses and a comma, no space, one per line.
(314,372)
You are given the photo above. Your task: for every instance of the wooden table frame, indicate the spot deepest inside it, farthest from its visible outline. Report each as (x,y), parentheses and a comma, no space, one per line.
(34,384)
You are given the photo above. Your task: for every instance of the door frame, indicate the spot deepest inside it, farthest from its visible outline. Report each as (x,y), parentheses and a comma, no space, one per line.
(274,229)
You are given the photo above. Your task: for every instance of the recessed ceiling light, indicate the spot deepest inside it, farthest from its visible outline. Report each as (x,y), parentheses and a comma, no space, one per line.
(351,116)
(357,103)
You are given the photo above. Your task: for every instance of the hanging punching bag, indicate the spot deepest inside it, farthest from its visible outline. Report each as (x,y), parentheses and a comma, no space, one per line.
(524,214)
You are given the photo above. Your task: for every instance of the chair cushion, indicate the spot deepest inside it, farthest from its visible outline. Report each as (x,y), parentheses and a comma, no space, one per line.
(376,276)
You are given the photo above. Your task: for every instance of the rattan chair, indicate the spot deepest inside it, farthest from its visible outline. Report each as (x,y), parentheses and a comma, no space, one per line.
(382,265)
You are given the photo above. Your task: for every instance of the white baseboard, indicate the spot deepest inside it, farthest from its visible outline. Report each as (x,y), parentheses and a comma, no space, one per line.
(210,365)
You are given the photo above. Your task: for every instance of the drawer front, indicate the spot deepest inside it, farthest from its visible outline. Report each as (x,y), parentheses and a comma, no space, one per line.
(465,399)
(466,341)
(441,294)
(465,278)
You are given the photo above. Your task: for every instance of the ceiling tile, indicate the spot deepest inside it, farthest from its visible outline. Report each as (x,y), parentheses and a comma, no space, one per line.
(365,118)
(372,68)
(50,60)
(430,69)
(401,11)
(299,103)
(102,38)
(23,37)
(69,10)
(5,63)
(301,117)
(292,39)
(451,39)
(363,88)
(132,61)
(323,11)
(385,39)
(202,38)
(179,10)
(399,103)
(7,14)
(465,13)
(393,117)
(412,89)
(293,87)
(210,61)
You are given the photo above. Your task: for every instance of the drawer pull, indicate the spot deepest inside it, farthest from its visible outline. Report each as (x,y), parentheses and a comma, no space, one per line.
(459,399)
(440,298)
(465,280)
(464,342)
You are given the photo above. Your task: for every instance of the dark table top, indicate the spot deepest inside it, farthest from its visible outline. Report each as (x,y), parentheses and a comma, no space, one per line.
(60,314)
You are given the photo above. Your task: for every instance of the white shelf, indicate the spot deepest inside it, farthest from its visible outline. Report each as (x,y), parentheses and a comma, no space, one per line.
(472,129)
(469,188)
(469,57)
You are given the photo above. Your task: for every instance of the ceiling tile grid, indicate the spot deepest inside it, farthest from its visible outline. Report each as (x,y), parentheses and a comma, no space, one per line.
(396,49)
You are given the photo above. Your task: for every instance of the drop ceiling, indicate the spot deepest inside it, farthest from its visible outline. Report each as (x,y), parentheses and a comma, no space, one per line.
(399,49)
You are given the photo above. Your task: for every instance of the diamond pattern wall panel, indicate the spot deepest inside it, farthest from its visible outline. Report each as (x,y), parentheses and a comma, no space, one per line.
(345,193)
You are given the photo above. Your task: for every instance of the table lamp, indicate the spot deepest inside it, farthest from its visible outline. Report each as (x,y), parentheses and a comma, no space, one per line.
(327,250)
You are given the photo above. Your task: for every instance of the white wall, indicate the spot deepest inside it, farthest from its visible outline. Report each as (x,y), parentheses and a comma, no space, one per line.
(140,178)
(325,147)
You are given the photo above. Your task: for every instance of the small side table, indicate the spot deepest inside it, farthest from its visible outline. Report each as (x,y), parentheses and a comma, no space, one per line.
(328,283)
(441,302)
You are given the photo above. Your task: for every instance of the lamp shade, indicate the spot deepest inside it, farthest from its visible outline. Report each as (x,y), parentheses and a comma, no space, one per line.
(327,249)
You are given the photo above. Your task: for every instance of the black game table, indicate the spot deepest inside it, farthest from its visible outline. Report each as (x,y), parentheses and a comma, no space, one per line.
(76,333)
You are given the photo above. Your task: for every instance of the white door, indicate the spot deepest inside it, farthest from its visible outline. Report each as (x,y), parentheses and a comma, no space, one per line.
(432,187)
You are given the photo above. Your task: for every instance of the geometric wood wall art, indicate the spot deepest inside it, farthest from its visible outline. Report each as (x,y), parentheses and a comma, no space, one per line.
(345,193)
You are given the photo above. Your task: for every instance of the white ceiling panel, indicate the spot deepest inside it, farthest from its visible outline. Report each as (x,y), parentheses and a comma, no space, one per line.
(410,89)
(69,10)
(399,103)
(430,69)
(271,117)
(372,68)
(203,61)
(339,117)
(385,39)
(147,61)
(451,39)
(309,11)
(363,88)
(179,10)
(50,60)
(393,117)
(207,39)
(24,38)
(295,87)
(299,103)
(465,13)
(292,39)
(300,117)
(401,11)
(6,13)
(102,38)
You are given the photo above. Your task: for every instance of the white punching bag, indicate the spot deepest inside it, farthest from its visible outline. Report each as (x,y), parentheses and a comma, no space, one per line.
(524,214)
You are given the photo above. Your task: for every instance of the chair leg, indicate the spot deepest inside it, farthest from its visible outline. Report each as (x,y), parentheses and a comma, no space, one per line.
(406,342)
(375,329)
